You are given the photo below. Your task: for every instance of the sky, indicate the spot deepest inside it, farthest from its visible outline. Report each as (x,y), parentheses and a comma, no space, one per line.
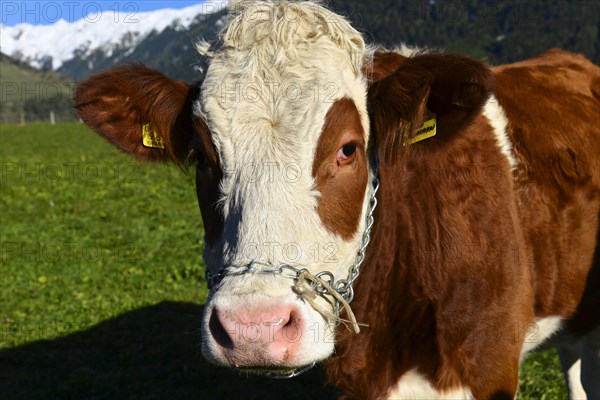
(13,12)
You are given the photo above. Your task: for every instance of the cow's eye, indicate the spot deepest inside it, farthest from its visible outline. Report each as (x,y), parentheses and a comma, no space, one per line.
(346,154)
(349,149)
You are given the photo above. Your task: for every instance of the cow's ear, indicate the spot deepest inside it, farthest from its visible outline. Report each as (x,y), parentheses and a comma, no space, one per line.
(140,111)
(452,87)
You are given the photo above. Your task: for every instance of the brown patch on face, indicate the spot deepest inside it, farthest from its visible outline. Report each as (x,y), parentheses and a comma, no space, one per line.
(342,185)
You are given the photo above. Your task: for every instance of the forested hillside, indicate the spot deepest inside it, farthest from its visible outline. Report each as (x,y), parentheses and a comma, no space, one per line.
(500,31)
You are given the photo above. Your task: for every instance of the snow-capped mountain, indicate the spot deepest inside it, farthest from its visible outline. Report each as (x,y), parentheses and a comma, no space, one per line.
(107,33)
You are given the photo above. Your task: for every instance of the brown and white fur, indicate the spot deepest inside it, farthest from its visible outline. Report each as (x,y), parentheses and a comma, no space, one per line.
(485,241)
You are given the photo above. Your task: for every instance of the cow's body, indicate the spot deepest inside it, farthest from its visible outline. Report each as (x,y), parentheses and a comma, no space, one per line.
(489,261)
(485,236)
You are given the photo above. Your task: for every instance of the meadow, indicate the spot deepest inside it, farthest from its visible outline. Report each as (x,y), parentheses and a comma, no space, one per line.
(102,284)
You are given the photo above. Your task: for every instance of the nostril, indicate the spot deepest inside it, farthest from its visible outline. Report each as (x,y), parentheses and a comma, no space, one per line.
(290,320)
(281,320)
(218,331)
(292,330)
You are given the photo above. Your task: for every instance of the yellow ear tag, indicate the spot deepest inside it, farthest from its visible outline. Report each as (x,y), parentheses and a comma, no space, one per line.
(427,130)
(151,138)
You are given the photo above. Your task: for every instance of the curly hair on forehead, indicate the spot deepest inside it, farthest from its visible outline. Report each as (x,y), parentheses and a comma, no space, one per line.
(283,29)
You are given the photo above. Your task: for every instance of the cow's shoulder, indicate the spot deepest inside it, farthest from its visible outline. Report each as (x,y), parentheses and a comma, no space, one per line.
(552,103)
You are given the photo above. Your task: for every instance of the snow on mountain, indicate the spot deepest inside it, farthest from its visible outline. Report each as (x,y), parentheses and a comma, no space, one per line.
(57,43)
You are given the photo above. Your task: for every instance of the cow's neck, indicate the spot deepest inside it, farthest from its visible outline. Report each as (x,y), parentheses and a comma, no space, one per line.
(388,301)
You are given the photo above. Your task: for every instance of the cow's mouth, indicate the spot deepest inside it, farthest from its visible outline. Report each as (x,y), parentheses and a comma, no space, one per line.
(277,372)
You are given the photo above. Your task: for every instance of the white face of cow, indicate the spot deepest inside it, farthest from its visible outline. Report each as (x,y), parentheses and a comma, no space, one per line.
(285,102)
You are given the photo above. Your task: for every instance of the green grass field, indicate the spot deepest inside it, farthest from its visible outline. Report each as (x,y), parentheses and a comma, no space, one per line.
(101,281)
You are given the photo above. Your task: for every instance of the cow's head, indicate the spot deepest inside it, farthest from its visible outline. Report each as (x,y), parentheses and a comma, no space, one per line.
(279,134)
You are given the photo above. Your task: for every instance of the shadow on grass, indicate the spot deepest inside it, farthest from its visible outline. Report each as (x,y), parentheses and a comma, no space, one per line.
(150,353)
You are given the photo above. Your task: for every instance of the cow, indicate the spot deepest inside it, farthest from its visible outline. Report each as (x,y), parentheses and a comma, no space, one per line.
(416,220)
